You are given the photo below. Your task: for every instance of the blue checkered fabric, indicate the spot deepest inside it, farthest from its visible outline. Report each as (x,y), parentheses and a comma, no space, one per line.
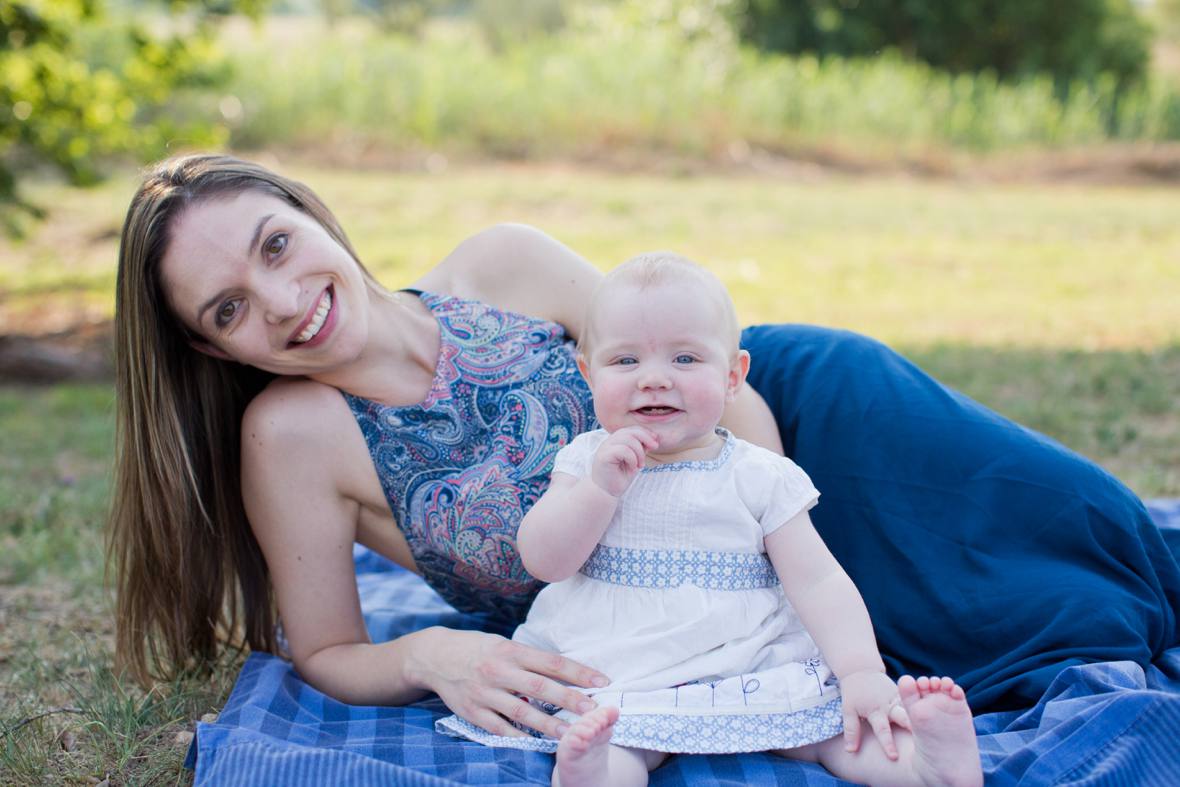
(1112,723)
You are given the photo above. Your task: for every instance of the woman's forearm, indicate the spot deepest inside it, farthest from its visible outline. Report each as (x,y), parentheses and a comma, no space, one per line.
(561,530)
(363,673)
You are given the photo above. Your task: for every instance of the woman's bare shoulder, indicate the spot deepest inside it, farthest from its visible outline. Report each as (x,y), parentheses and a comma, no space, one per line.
(294,412)
(518,268)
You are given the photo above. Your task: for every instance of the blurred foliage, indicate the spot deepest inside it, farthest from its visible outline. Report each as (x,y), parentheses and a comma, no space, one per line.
(505,23)
(633,77)
(391,16)
(1069,39)
(78,87)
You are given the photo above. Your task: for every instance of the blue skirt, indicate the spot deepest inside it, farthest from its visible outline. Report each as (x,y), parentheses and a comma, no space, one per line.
(984,550)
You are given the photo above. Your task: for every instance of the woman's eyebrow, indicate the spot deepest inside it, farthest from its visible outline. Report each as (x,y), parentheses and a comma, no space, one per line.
(258,233)
(249,253)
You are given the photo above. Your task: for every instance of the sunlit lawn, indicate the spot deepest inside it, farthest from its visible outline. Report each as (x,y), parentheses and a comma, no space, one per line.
(1055,304)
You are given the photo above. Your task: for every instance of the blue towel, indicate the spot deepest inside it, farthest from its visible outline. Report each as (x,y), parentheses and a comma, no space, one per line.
(1103,723)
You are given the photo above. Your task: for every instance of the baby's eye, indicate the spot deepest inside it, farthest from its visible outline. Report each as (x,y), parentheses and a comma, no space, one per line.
(225,313)
(275,244)
(685,358)
(626,361)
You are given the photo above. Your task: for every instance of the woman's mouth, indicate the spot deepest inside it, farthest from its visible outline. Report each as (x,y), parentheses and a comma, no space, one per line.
(317,320)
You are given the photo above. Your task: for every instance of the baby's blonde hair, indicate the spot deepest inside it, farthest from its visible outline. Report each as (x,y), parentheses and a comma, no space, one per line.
(655,268)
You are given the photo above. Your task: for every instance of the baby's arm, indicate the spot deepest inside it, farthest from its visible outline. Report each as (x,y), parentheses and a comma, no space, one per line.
(834,613)
(560,531)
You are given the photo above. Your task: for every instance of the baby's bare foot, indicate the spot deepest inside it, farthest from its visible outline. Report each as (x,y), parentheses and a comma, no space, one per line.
(581,753)
(945,751)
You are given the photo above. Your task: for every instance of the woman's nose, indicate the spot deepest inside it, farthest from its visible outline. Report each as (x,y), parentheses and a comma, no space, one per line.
(281,302)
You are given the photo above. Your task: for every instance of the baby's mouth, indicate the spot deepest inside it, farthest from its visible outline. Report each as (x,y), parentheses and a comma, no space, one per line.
(655,410)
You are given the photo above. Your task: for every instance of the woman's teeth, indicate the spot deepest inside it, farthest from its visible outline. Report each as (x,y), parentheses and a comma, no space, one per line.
(317,320)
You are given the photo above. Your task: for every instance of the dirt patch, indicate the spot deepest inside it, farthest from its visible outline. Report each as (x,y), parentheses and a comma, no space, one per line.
(1110,164)
(81,352)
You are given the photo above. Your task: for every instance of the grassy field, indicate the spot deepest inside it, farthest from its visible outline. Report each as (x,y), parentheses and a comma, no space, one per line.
(615,79)
(1054,304)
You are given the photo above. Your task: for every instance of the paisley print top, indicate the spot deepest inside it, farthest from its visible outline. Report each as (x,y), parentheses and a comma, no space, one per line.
(460,469)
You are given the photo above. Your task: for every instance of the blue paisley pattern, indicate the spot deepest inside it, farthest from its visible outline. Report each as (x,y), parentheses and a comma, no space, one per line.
(460,469)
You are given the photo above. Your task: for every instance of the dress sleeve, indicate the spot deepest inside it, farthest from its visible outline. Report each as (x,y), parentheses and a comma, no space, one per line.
(575,458)
(789,493)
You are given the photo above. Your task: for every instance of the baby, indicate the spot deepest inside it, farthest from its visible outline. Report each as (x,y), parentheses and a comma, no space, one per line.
(684,565)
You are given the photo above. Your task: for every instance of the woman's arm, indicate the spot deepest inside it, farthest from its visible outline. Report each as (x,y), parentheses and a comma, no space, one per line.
(301,457)
(749,418)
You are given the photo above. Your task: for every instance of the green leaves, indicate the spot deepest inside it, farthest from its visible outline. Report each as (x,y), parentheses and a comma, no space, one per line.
(78,88)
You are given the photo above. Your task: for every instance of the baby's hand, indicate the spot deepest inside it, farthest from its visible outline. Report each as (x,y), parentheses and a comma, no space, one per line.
(873,696)
(620,458)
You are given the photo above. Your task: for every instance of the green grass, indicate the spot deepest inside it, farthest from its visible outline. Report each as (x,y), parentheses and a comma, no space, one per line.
(606,83)
(56,624)
(1053,304)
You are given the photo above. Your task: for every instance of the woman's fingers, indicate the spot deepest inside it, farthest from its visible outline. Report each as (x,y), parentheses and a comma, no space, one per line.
(558,668)
(519,710)
(494,723)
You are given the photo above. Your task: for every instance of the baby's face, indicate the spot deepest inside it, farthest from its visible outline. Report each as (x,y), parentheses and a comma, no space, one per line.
(661,357)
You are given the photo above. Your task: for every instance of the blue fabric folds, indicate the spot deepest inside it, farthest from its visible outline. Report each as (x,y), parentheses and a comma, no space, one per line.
(983,550)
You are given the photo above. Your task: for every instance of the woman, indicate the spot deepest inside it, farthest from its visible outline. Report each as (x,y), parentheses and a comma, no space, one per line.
(252,345)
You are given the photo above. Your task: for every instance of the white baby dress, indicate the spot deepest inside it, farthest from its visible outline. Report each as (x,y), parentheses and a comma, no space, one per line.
(680,606)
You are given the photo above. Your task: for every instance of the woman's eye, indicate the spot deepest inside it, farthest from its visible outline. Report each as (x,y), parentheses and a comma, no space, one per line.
(275,244)
(225,313)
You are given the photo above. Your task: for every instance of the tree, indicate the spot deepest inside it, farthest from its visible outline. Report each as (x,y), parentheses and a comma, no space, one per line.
(77,88)
(1070,39)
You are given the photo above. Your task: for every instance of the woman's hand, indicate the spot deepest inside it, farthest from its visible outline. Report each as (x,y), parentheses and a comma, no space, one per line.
(620,457)
(488,681)
(872,695)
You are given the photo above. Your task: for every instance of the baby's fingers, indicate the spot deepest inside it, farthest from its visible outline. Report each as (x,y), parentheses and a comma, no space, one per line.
(851,731)
(884,732)
(898,715)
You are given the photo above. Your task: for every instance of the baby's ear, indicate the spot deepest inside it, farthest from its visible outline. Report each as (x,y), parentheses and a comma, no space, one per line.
(584,367)
(737,374)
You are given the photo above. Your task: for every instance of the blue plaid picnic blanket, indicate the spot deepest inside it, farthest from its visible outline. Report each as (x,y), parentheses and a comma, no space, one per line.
(1097,724)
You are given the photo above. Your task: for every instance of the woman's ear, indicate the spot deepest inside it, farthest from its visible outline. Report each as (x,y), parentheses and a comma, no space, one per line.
(737,374)
(213,351)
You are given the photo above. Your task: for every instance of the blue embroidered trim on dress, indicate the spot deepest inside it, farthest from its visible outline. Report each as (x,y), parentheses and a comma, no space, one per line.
(659,568)
(685,734)
(700,464)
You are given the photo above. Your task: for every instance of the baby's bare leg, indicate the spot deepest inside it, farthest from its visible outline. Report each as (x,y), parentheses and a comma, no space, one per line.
(586,758)
(940,752)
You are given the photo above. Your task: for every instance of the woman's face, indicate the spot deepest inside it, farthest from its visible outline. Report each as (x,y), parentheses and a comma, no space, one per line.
(262,283)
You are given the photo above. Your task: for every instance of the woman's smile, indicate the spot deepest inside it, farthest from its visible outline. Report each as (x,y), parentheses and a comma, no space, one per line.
(318,324)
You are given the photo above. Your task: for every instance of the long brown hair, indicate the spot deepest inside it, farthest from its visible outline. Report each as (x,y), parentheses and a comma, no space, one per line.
(189,574)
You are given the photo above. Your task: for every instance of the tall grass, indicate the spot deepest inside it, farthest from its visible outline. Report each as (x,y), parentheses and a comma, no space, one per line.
(594,87)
